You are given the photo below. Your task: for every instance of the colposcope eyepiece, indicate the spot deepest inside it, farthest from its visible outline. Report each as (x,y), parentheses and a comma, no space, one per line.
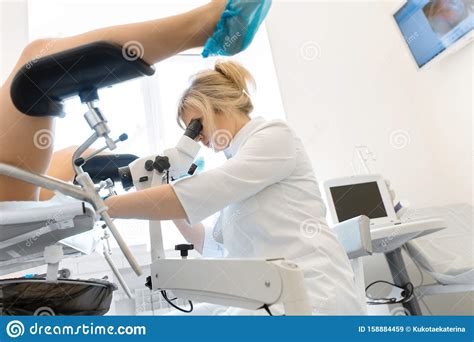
(193,129)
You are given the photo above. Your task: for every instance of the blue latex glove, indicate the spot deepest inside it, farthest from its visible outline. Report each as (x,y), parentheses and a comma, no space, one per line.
(236,28)
(200,163)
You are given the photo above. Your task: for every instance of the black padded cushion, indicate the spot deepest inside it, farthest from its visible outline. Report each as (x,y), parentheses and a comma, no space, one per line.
(40,86)
(104,166)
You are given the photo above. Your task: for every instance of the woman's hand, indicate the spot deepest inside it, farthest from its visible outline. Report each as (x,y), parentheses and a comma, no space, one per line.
(157,203)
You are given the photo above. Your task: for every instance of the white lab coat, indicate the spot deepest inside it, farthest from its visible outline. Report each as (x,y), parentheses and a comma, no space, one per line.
(270,207)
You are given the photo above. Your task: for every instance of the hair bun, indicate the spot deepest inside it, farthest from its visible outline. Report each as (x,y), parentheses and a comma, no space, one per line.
(236,73)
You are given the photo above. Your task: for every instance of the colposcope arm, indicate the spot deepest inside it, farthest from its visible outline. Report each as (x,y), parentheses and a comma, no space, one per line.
(260,282)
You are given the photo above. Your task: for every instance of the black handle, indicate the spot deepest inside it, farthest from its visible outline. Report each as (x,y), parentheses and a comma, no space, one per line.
(184,249)
(148,282)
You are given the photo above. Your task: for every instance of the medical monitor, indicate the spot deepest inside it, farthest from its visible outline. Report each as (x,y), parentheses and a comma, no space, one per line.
(360,195)
(435,28)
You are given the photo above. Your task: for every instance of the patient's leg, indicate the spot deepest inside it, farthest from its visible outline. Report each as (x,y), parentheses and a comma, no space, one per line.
(61,168)
(160,38)
(24,139)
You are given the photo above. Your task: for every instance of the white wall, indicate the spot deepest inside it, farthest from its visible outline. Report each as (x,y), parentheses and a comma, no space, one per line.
(13,34)
(363,87)
(347,80)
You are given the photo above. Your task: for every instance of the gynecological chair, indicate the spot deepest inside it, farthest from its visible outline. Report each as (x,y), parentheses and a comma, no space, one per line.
(34,233)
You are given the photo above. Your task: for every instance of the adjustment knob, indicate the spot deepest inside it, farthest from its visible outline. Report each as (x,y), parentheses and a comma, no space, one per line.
(79,161)
(149,165)
(161,164)
(148,282)
(184,249)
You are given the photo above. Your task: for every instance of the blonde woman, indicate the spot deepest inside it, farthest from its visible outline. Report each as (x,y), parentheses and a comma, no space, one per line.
(266,193)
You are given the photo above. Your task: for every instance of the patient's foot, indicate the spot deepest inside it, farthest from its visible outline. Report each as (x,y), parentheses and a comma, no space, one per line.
(238,23)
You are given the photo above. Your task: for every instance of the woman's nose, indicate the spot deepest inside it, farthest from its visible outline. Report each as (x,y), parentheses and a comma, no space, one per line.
(205,141)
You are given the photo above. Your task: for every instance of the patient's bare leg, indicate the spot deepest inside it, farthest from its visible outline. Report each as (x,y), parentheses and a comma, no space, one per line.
(24,139)
(61,168)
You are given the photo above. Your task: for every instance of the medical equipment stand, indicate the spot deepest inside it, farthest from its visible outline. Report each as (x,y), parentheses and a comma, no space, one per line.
(389,240)
(394,257)
(401,278)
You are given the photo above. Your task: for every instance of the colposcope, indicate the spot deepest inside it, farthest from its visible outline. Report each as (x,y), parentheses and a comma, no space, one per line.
(174,163)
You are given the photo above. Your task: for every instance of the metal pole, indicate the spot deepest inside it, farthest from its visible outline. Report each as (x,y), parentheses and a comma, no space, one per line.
(44,182)
(400,278)
(117,274)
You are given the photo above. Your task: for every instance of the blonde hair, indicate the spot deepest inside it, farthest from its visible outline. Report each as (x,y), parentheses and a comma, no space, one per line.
(220,90)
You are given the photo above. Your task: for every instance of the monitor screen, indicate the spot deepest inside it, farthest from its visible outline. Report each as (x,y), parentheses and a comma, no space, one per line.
(358,199)
(430,27)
